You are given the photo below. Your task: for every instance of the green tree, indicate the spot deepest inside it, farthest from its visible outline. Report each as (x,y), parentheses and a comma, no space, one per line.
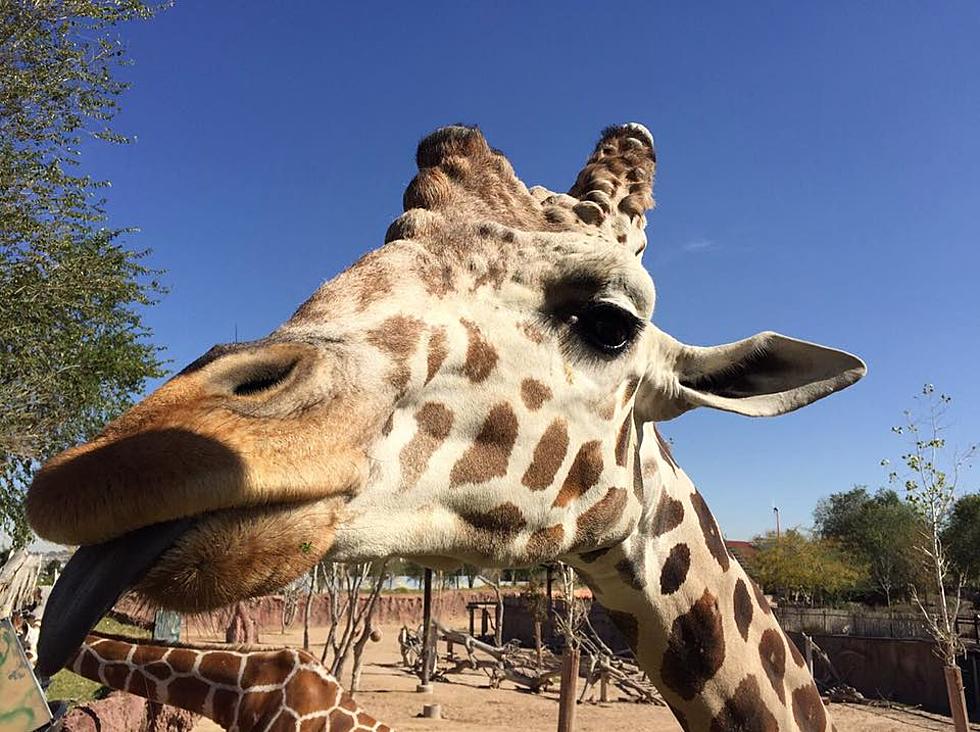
(803,569)
(73,345)
(838,516)
(962,536)
(880,531)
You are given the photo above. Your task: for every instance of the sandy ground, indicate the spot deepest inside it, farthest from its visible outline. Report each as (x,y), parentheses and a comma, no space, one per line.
(468,704)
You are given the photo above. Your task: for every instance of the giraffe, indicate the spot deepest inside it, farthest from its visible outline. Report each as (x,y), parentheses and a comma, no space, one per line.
(280,690)
(483,388)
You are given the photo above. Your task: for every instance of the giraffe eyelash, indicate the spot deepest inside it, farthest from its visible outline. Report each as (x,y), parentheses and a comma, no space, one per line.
(605,327)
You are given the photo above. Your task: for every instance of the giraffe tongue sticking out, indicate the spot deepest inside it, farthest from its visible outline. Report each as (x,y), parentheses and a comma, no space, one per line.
(94,579)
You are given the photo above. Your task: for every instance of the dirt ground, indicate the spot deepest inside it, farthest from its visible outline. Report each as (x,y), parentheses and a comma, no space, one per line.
(389,693)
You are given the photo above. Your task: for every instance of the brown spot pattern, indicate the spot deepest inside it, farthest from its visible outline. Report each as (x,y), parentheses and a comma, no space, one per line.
(712,536)
(548,456)
(772,651)
(668,516)
(304,693)
(158,670)
(584,473)
(503,522)
(224,707)
(191,692)
(267,668)
(438,350)
(534,394)
(533,332)
(695,648)
(623,440)
(434,422)
(221,667)
(632,569)
(545,543)
(116,674)
(638,477)
(745,711)
(627,626)
(743,608)
(341,721)
(795,653)
(490,452)
(480,355)
(594,523)
(760,598)
(631,385)
(398,336)
(808,709)
(675,569)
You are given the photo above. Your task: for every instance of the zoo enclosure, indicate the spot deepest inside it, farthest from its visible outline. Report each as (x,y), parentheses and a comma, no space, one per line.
(869,625)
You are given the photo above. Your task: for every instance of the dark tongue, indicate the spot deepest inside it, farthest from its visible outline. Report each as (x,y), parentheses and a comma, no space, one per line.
(94,579)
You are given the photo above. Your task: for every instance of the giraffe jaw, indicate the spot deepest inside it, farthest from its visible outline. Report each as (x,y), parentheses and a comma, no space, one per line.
(190,564)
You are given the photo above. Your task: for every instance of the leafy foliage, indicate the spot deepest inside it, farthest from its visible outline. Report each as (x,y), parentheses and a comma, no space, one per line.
(962,536)
(73,346)
(880,531)
(803,569)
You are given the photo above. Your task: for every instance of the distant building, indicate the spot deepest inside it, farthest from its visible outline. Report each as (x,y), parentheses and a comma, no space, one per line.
(743,551)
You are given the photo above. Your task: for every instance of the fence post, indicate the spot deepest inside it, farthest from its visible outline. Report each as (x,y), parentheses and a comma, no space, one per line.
(604,686)
(957,701)
(825,621)
(976,682)
(566,694)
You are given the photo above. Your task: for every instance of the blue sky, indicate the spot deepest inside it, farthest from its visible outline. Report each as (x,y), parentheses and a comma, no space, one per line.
(819,175)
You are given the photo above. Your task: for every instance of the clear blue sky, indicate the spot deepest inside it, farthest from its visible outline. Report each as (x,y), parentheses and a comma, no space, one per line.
(819,175)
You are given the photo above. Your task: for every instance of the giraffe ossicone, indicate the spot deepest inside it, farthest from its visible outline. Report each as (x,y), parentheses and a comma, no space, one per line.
(482,388)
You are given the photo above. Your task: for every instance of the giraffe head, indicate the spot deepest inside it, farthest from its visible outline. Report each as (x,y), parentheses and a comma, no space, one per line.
(470,391)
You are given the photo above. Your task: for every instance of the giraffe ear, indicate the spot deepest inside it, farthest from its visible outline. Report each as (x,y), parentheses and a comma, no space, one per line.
(761,376)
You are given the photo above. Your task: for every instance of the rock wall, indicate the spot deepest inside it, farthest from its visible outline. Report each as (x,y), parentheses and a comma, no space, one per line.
(122,712)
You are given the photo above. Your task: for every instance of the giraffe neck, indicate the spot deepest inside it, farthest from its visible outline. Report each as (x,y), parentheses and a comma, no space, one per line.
(701,629)
(276,690)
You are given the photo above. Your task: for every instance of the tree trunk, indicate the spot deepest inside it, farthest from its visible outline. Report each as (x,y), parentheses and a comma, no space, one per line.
(306,610)
(957,699)
(242,628)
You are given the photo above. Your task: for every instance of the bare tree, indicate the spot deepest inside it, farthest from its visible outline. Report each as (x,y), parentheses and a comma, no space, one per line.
(306,608)
(931,475)
(493,578)
(351,614)
(290,604)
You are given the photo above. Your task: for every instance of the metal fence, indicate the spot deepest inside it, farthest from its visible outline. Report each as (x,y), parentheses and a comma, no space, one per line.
(868,625)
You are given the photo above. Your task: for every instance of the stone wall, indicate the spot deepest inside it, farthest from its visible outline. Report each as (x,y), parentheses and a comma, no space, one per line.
(122,712)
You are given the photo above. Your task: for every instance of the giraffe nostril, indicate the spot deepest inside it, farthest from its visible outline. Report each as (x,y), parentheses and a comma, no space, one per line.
(263,378)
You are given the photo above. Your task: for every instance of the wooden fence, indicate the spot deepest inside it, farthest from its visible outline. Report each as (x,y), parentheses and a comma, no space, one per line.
(828,621)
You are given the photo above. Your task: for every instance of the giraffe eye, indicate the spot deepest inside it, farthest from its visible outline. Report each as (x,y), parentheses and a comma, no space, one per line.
(606,327)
